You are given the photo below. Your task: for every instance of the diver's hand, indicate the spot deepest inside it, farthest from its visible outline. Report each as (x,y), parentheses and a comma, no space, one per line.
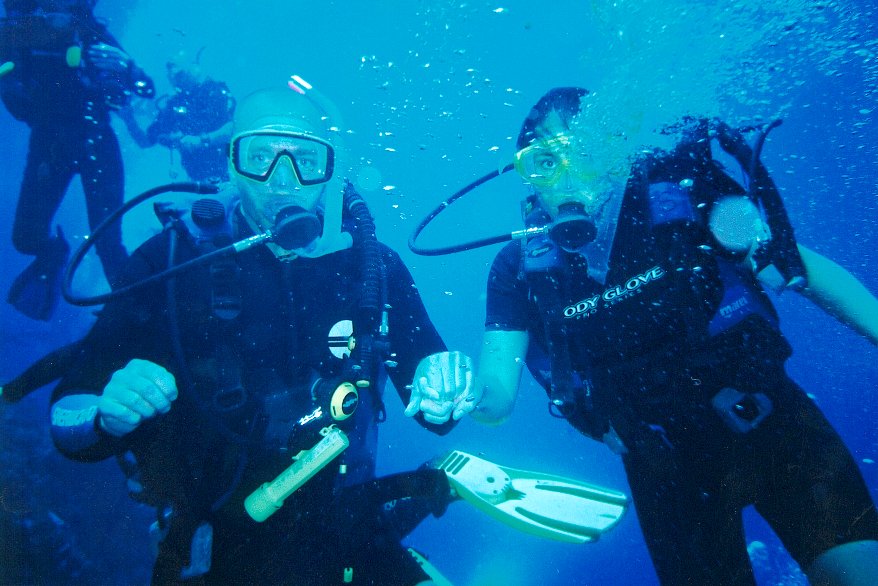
(138,392)
(190,142)
(444,387)
(109,58)
(170,139)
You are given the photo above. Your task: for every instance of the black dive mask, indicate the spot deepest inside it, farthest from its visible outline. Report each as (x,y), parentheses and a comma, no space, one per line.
(572,228)
(296,228)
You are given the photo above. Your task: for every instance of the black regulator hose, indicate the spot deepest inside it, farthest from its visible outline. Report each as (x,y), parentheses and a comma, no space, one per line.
(372,298)
(370,250)
(88,243)
(466,245)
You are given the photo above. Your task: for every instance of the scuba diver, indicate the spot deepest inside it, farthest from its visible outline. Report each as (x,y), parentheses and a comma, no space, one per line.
(62,73)
(637,298)
(205,382)
(195,121)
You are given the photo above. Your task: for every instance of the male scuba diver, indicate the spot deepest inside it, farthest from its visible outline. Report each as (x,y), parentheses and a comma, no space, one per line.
(638,301)
(194,121)
(207,384)
(62,72)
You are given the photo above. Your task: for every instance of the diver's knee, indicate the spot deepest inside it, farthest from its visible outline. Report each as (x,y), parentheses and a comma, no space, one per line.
(849,564)
(26,240)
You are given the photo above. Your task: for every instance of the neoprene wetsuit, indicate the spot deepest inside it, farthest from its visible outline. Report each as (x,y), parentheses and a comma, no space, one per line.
(685,361)
(68,110)
(246,381)
(198,110)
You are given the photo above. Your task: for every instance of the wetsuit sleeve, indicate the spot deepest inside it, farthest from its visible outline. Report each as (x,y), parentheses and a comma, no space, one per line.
(507,298)
(127,328)
(16,89)
(165,122)
(413,336)
(136,79)
(139,82)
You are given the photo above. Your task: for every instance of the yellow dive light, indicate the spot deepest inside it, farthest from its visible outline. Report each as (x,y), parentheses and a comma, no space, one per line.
(268,498)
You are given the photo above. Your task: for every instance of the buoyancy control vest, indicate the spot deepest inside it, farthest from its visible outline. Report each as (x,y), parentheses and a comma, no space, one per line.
(663,236)
(245,416)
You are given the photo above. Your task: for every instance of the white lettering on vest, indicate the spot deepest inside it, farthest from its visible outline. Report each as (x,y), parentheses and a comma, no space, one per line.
(727,310)
(614,294)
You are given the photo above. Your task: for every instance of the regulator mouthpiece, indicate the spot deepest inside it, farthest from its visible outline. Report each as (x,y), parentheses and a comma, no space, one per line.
(296,228)
(572,228)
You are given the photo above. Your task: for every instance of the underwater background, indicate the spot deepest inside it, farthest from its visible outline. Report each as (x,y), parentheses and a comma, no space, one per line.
(432,94)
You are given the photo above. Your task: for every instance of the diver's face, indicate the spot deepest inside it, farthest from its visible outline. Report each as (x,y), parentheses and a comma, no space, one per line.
(562,172)
(277,167)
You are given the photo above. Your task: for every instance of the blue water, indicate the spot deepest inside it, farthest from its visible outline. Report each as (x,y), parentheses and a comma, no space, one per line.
(433,93)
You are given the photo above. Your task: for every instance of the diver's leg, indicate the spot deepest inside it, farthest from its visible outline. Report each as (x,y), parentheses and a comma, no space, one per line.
(817,501)
(35,292)
(103,183)
(694,535)
(47,174)
(402,500)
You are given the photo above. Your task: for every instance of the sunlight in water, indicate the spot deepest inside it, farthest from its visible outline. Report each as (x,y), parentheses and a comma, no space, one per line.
(655,61)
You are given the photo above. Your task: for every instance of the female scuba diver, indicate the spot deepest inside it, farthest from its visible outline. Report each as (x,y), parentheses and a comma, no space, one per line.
(638,301)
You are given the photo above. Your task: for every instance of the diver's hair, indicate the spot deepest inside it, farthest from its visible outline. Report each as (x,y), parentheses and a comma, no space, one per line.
(566,101)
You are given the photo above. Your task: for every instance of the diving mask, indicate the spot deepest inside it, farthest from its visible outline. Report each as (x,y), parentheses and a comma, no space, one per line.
(544,162)
(256,154)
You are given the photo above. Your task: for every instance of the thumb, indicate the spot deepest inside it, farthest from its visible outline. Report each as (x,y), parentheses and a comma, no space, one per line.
(414,403)
(463,407)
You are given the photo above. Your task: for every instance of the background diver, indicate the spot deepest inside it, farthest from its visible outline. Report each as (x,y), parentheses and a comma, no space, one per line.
(195,121)
(62,74)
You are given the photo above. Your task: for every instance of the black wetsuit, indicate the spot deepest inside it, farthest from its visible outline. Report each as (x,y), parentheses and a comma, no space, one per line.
(674,324)
(197,111)
(68,111)
(246,382)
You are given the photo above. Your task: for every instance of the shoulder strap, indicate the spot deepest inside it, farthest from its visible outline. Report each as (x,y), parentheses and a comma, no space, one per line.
(207,226)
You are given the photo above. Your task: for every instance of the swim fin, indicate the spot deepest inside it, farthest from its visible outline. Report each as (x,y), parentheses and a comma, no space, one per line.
(541,504)
(36,291)
(429,569)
